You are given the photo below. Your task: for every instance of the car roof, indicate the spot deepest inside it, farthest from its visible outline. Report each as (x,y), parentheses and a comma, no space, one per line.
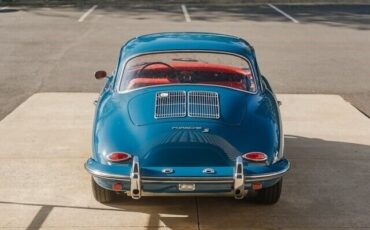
(162,42)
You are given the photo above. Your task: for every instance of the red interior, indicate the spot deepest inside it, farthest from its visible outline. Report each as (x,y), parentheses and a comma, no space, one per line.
(201,66)
(141,82)
(188,66)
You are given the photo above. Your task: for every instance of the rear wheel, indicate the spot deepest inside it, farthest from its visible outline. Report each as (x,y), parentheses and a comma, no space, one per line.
(101,194)
(271,194)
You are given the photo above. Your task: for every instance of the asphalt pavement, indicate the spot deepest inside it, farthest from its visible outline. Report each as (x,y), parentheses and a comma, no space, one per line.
(50,49)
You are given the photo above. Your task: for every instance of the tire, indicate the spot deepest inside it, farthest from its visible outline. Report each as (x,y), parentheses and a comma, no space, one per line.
(271,194)
(101,194)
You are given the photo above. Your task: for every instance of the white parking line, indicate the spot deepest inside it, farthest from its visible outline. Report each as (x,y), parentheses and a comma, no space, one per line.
(82,18)
(186,14)
(283,13)
(4,7)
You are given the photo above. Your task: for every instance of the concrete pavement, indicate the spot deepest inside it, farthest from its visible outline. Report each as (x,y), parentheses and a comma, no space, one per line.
(46,140)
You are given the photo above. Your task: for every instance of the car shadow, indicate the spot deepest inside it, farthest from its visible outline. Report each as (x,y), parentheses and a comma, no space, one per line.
(327,187)
(321,189)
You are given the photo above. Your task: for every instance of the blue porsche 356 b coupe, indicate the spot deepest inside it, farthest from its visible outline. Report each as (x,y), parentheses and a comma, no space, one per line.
(187,114)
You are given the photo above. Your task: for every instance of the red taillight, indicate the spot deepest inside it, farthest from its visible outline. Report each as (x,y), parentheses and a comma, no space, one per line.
(118,156)
(255,156)
(256,185)
(117,187)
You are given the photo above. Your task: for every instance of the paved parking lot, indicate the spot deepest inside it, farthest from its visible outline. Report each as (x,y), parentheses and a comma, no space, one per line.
(311,50)
(50,49)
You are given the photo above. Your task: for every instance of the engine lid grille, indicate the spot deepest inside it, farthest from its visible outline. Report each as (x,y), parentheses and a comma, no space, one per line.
(170,104)
(203,104)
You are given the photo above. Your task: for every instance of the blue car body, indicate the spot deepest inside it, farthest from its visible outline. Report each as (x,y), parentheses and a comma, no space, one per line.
(186,155)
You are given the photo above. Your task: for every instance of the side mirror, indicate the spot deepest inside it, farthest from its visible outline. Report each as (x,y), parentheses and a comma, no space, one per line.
(100,74)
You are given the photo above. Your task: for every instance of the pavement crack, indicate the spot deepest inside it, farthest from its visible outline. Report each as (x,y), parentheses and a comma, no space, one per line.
(197,207)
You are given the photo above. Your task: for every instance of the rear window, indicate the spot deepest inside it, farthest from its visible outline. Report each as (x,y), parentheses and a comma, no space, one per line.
(188,68)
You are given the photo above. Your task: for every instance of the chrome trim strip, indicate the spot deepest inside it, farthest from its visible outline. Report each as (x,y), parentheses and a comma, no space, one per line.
(184,194)
(188,181)
(104,175)
(186,178)
(267,176)
(120,74)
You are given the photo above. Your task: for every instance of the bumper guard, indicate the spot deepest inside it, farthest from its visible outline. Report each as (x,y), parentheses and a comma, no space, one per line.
(238,180)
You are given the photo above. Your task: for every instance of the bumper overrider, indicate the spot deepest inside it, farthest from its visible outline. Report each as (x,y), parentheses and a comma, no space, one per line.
(136,184)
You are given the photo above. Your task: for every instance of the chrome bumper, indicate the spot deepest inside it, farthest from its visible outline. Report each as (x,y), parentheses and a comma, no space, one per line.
(133,176)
